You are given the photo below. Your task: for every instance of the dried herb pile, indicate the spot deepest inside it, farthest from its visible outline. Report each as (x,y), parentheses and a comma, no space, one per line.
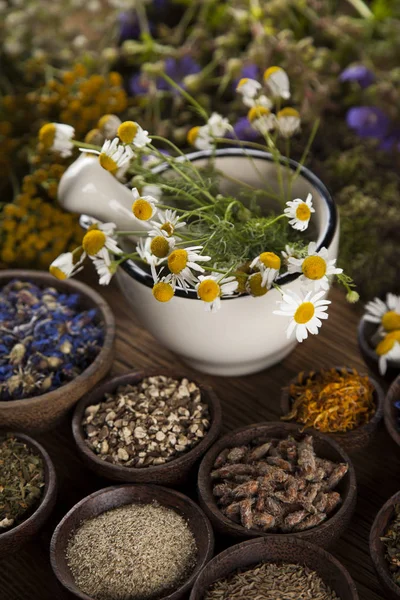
(147,424)
(21,481)
(276,485)
(332,401)
(135,552)
(270,581)
(46,340)
(391,541)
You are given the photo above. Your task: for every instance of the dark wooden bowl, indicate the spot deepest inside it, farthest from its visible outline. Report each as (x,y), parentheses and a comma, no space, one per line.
(40,413)
(391,414)
(114,497)
(364,334)
(323,535)
(377,549)
(352,441)
(276,549)
(13,539)
(171,473)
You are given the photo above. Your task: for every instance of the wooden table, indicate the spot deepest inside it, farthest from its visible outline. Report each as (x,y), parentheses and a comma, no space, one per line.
(245,400)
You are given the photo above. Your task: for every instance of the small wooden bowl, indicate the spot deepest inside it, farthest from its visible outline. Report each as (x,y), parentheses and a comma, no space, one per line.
(377,548)
(12,539)
(114,497)
(276,550)
(352,441)
(391,414)
(324,534)
(172,473)
(40,413)
(364,334)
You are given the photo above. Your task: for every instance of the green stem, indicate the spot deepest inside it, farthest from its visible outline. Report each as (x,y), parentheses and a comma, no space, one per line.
(188,97)
(307,149)
(84,145)
(361,8)
(143,20)
(178,151)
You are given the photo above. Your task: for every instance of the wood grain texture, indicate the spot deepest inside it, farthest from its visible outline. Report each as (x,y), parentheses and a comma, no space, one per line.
(245,400)
(273,549)
(116,496)
(352,441)
(41,413)
(173,473)
(377,547)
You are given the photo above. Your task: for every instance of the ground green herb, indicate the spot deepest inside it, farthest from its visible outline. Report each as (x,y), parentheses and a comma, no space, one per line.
(21,481)
(270,581)
(391,541)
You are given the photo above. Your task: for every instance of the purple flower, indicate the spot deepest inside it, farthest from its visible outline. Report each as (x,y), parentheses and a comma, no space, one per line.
(244,131)
(368,121)
(391,142)
(359,73)
(250,71)
(178,69)
(128,26)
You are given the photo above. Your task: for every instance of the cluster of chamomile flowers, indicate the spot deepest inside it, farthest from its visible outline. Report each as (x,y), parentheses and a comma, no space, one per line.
(385,314)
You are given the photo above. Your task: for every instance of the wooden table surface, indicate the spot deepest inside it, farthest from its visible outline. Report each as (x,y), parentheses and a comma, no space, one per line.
(245,400)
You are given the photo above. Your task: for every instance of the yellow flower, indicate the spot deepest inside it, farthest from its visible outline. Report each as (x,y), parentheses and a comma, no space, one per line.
(163,291)
(254,285)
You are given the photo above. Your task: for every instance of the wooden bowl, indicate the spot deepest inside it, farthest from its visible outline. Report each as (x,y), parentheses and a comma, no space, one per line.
(12,539)
(364,334)
(40,413)
(171,473)
(391,414)
(324,534)
(352,441)
(114,497)
(276,549)
(377,549)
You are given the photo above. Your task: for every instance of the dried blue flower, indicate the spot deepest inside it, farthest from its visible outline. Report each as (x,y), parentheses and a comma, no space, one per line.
(368,121)
(176,69)
(46,339)
(359,73)
(129,28)
(243,130)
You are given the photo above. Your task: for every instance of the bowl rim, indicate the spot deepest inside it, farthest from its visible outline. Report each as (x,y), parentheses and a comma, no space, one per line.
(210,397)
(137,272)
(209,501)
(367,349)
(107,316)
(387,405)
(375,550)
(202,561)
(236,549)
(49,492)
(339,435)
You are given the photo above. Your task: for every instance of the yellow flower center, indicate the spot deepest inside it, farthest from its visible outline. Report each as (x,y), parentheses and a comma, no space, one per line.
(242,82)
(314,267)
(270,260)
(127,132)
(168,228)
(108,163)
(159,246)
(254,285)
(304,313)
(303,213)
(385,345)
(93,241)
(271,71)
(288,112)
(391,320)
(256,112)
(56,272)
(47,134)
(142,209)
(177,261)
(192,135)
(208,290)
(163,292)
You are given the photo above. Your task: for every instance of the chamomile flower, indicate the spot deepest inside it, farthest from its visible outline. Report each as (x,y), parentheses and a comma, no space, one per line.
(143,207)
(57,137)
(386,313)
(200,138)
(262,119)
(65,266)
(261,100)
(299,212)
(268,264)
(288,252)
(212,287)
(182,261)
(388,349)
(248,88)
(168,223)
(316,268)
(277,81)
(254,285)
(217,125)
(288,122)
(104,269)
(113,157)
(163,290)
(161,245)
(130,132)
(98,243)
(305,312)
(144,252)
